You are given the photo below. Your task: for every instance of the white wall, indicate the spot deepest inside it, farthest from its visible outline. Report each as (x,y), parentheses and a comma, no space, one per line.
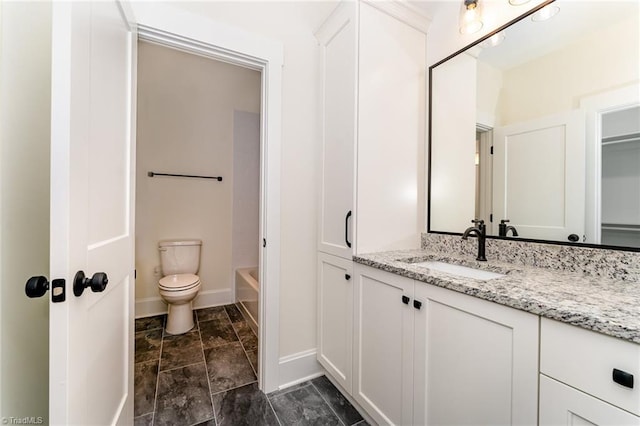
(293,24)
(25,105)
(453,130)
(245,238)
(489,84)
(185,125)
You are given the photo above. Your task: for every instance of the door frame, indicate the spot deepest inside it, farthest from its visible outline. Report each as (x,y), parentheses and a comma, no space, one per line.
(594,108)
(198,35)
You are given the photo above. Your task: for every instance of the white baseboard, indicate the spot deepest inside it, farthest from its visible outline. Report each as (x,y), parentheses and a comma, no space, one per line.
(298,367)
(150,306)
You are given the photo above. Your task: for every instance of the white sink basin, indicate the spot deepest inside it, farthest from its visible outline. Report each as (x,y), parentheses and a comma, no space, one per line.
(462,271)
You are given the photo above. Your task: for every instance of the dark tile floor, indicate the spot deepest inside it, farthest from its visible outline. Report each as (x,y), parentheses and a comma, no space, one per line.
(208,377)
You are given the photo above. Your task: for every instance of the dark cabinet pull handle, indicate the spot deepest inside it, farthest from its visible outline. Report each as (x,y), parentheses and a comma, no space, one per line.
(417,304)
(405,300)
(347,277)
(346,229)
(622,378)
(573,238)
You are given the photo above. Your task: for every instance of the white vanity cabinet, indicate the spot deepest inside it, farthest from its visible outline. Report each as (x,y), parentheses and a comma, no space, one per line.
(578,384)
(425,355)
(383,345)
(335,317)
(476,362)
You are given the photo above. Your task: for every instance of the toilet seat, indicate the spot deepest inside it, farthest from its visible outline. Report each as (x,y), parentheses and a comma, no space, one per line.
(179,282)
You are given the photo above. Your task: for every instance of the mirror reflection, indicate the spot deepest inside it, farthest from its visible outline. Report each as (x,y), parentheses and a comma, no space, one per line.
(536,130)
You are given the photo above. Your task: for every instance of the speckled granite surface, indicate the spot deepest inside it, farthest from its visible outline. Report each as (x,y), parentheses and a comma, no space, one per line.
(603,299)
(614,264)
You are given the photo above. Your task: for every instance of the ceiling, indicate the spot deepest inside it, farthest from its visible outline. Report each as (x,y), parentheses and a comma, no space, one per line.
(576,19)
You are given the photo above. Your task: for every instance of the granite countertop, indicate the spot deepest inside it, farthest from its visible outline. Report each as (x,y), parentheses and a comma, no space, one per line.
(605,305)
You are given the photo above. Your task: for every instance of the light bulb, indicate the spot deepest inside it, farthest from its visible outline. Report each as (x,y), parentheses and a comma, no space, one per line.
(470,17)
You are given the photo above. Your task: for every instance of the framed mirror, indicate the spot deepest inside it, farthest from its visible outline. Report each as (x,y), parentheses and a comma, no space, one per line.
(536,128)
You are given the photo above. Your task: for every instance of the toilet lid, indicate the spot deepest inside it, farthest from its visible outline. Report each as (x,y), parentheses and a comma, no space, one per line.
(179,281)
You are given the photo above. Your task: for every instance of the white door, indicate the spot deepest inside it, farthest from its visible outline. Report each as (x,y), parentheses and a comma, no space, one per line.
(383,345)
(91,336)
(338,58)
(335,317)
(539,177)
(465,346)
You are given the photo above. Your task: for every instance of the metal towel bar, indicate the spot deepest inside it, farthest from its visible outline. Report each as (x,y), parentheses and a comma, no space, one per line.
(152,174)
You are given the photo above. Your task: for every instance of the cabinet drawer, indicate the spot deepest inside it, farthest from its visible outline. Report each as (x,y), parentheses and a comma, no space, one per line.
(564,405)
(586,360)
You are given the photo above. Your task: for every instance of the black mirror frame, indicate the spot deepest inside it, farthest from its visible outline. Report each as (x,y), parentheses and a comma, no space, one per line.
(430,106)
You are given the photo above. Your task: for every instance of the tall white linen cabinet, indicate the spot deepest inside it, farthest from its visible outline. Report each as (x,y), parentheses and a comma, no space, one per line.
(373,86)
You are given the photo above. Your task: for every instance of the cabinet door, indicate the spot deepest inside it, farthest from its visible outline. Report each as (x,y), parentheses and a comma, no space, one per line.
(564,405)
(335,317)
(383,358)
(476,362)
(337,39)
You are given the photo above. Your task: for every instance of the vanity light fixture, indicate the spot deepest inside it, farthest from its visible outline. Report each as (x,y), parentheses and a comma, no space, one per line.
(470,17)
(546,13)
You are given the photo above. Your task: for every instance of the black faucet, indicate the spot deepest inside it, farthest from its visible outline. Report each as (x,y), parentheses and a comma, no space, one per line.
(503,229)
(481,232)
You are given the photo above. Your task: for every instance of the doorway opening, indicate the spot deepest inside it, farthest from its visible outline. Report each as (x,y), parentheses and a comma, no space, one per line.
(620,177)
(484,175)
(267,263)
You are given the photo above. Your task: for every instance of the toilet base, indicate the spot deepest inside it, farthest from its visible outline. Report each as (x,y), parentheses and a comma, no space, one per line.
(180,318)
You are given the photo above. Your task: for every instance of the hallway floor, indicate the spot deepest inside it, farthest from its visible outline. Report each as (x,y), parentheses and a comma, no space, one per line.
(208,377)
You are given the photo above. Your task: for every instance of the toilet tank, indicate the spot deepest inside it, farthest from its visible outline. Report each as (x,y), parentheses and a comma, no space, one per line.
(180,256)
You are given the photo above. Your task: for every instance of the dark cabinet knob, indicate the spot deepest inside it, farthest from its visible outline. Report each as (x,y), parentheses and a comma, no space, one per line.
(98,282)
(417,304)
(622,378)
(347,277)
(405,300)
(36,286)
(574,238)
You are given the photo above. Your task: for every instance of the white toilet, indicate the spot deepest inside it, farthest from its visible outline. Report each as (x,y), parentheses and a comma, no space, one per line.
(180,262)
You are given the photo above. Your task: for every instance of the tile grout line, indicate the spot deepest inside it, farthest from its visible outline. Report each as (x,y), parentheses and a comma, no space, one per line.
(273,410)
(155,395)
(290,389)
(328,404)
(237,387)
(182,366)
(206,370)
(240,340)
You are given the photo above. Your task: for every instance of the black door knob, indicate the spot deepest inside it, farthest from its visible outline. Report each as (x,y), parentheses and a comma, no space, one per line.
(98,282)
(574,238)
(36,286)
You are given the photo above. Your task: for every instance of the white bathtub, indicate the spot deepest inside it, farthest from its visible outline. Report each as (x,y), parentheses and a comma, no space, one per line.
(247,293)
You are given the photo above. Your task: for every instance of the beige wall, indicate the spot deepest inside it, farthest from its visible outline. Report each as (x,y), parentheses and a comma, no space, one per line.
(292,24)
(185,121)
(25,105)
(602,61)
